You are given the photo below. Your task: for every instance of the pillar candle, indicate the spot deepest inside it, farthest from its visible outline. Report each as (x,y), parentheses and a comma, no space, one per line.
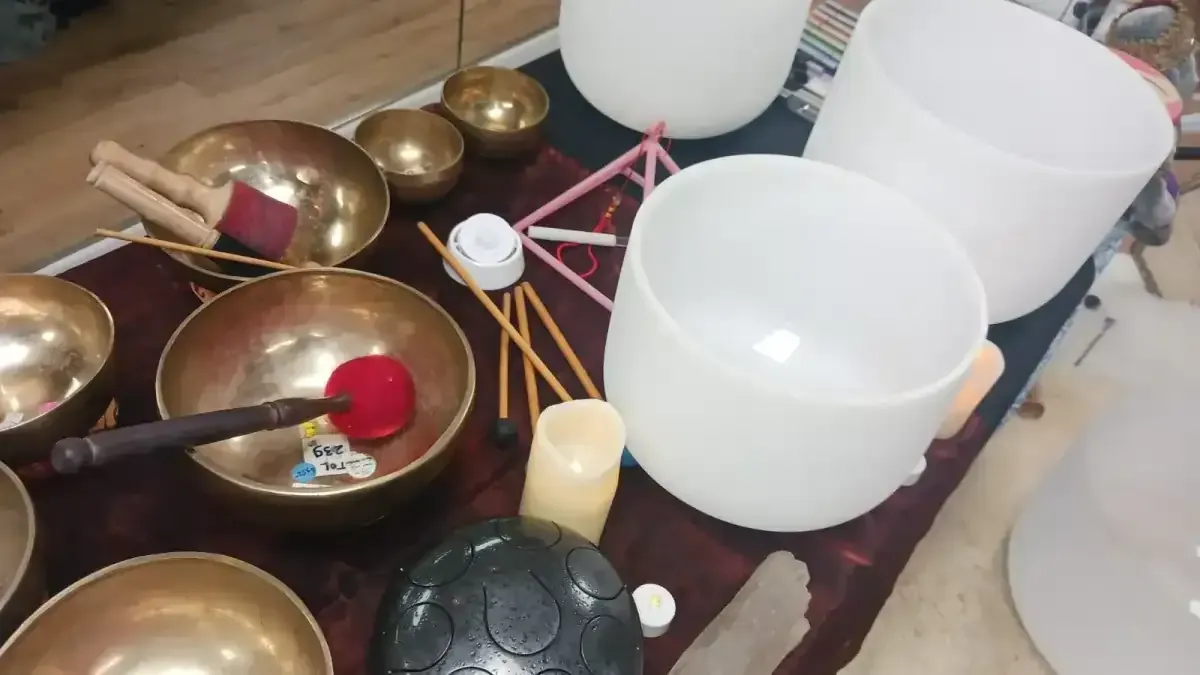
(574,464)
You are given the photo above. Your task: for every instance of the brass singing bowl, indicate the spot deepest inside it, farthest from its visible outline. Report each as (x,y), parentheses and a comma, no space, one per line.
(56,365)
(341,195)
(499,110)
(283,335)
(420,153)
(193,613)
(21,583)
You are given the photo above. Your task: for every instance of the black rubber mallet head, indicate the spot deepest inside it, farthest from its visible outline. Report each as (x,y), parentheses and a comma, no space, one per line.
(504,433)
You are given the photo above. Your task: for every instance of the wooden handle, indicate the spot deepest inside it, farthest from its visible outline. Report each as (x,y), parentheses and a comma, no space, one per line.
(504,340)
(152,206)
(72,454)
(181,189)
(531,381)
(209,253)
(561,341)
(492,309)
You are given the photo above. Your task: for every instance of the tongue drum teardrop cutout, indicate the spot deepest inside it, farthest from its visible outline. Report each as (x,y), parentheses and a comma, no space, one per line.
(512,596)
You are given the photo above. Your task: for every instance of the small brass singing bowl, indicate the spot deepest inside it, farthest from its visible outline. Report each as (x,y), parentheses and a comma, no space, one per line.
(420,153)
(194,613)
(21,581)
(341,196)
(283,335)
(499,110)
(56,364)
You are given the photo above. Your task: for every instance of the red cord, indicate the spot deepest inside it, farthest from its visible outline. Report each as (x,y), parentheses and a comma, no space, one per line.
(604,224)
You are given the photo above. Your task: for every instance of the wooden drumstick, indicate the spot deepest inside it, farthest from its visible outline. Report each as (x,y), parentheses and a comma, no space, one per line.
(504,340)
(560,340)
(505,431)
(531,385)
(492,309)
(184,248)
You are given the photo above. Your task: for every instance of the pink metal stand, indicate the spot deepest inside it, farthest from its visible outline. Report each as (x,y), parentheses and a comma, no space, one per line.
(651,148)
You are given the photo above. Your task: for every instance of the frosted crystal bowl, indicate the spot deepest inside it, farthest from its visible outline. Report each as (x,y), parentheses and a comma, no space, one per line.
(786,339)
(702,67)
(1025,138)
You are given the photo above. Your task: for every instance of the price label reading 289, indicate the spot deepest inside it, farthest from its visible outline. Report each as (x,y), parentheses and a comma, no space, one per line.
(332,455)
(328,450)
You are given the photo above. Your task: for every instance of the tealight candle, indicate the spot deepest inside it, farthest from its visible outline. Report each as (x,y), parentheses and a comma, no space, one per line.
(655,607)
(574,464)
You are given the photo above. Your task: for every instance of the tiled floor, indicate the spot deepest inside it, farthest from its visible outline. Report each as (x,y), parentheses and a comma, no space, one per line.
(950,613)
(1176,266)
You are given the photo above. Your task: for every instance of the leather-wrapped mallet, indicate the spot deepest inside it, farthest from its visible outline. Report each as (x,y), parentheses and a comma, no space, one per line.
(253,219)
(180,222)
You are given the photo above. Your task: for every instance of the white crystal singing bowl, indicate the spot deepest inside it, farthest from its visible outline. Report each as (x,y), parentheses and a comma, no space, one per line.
(786,339)
(1025,138)
(727,59)
(1104,560)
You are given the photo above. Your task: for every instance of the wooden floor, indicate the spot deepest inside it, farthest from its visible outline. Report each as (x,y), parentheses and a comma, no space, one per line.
(147,73)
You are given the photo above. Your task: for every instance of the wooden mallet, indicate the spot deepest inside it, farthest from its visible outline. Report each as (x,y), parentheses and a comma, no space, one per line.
(492,309)
(505,431)
(531,382)
(251,219)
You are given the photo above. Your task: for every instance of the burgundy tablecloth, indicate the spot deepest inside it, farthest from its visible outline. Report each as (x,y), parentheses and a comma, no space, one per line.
(150,505)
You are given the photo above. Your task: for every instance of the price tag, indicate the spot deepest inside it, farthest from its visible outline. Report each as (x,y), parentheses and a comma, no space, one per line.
(309,429)
(362,466)
(304,472)
(331,455)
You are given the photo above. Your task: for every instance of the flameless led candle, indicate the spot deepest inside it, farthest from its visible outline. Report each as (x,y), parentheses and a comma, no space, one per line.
(987,369)
(574,464)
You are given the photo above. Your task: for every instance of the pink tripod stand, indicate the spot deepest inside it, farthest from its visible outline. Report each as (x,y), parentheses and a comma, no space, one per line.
(651,148)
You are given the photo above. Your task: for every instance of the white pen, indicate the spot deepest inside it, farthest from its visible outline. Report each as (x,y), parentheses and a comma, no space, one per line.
(575,236)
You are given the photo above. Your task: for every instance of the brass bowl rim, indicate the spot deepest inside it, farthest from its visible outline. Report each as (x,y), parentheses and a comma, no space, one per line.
(111,338)
(140,561)
(439,446)
(494,69)
(23,568)
(416,112)
(182,258)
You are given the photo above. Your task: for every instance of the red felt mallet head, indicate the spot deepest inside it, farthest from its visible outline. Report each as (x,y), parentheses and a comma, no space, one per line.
(383,396)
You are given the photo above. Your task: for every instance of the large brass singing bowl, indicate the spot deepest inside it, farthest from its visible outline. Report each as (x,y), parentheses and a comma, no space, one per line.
(283,335)
(341,195)
(499,110)
(420,153)
(56,371)
(21,582)
(193,613)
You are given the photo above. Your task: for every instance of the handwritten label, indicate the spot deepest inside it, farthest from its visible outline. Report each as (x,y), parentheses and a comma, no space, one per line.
(331,455)
(304,472)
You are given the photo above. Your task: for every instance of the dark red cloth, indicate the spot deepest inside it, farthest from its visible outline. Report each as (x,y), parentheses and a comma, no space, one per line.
(149,505)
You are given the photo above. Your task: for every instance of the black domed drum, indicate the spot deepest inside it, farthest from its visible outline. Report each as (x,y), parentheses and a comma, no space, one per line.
(513,596)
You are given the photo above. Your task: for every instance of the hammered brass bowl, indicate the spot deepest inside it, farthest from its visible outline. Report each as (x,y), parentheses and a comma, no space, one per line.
(21,583)
(56,370)
(193,613)
(341,195)
(420,153)
(499,110)
(283,335)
